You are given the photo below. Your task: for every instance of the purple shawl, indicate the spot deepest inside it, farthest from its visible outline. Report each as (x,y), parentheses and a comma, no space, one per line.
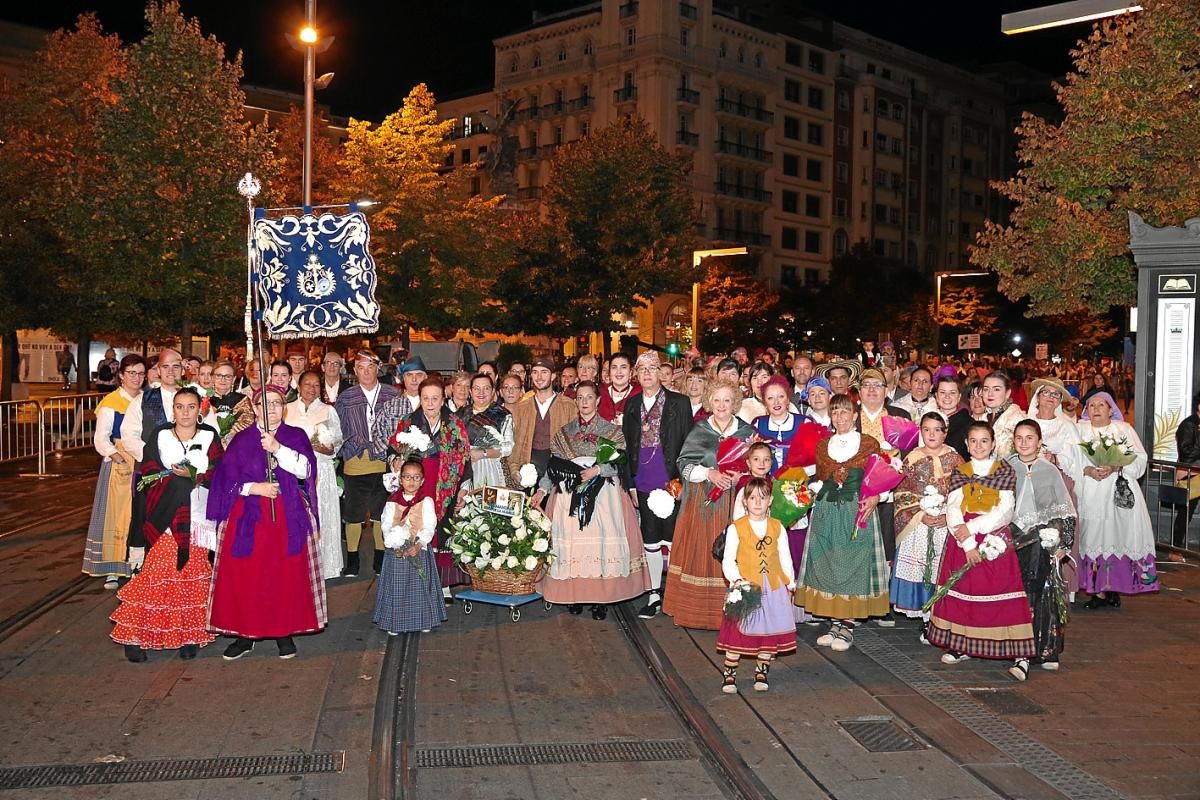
(245,461)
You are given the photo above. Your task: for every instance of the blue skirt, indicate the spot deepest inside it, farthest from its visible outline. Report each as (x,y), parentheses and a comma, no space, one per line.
(406,601)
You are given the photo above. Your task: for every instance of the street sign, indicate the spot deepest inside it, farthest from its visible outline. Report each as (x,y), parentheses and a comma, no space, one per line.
(968,341)
(1041,352)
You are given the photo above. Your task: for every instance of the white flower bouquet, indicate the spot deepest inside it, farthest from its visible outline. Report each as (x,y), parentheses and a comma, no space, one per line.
(991,548)
(528,476)
(661,503)
(409,443)
(1049,538)
(1109,451)
(483,541)
(742,600)
(323,436)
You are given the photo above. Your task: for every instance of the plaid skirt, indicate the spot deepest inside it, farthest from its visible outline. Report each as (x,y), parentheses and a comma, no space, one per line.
(844,573)
(406,601)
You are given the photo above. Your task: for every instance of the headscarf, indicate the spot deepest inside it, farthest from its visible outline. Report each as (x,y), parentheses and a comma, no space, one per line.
(820,382)
(647,359)
(1108,398)
(945,370)
(270,387)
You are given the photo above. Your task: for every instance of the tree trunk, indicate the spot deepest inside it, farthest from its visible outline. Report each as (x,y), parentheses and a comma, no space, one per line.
(185,338)
(406,336)
(606,337)
(83,347)
(10,360)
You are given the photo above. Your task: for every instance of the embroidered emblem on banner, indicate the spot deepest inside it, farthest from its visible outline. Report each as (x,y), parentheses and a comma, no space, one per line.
(315,275)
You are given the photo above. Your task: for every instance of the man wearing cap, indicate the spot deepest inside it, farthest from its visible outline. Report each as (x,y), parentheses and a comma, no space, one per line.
(363,457)
(619,391)
(408,400)
(539,418)
(802,372)
(654,432)
(873,389)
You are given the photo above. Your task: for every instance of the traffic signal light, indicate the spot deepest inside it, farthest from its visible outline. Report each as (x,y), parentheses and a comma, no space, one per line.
(673,350)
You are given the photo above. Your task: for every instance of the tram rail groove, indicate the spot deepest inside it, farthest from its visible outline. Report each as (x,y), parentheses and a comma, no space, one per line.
(389,774)
(44,604)
(740,781)
(44,521)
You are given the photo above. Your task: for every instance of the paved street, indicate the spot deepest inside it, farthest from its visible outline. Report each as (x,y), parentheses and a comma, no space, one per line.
(569,708)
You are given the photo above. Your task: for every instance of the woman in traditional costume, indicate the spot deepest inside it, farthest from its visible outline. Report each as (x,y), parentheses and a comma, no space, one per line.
(597,541)
(320,423)
(448,468)
(1000,411)
(779,425)
(229,411)
(695,386)
(986,614)
(756,554)
(1060,435)
(490,431)
(1043,503)
(695,591)
(819,394)
(921,528)
(843,575)
(106,551)
(163,606)
(947,394)
(267,577)
(1116,540)
(409,596)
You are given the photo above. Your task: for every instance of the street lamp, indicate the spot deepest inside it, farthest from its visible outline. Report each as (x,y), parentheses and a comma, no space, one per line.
(1036,19)
(309,40)
(937,303)
(697,257)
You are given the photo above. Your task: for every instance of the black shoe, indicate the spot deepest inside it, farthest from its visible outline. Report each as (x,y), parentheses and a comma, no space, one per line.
(650,610)
(351,570)
(135,654)
(1096,602)
(287,648)
(599,612)
(238,649)
(378,561)
(575,609)
(188,651)
(1113,599)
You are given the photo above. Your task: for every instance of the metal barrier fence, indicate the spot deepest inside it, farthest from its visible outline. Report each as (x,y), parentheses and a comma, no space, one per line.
(1171,510)
(30,429)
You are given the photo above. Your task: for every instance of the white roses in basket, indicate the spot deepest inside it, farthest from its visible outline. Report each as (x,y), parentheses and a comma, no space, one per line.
(487,540)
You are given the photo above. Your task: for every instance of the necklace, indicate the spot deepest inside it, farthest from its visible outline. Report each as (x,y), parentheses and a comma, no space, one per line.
(722,432)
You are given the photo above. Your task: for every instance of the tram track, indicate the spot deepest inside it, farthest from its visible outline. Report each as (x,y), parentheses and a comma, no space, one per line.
(44,604)
(71,512)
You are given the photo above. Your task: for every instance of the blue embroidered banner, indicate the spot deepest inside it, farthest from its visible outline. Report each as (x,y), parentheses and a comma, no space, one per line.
(315,276)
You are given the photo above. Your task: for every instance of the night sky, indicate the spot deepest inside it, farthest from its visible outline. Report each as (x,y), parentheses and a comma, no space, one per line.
(386,46)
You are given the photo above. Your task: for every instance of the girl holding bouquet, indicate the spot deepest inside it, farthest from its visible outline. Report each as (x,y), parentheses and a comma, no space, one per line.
(695,589)
(1116,542)
(981,609)
(1043,529)
(597,540)
(843,574)
(921,519)
(756,561)
(409,597)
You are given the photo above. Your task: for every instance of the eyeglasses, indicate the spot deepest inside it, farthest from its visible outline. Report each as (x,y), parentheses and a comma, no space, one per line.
(130,373)
(412,477)
(1051,394)
(275,404)
(223,376)
(872,385)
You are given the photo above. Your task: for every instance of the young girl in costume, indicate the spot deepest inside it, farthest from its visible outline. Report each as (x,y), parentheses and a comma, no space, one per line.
(986,614)
(756,553)
(409,597)
(759,463)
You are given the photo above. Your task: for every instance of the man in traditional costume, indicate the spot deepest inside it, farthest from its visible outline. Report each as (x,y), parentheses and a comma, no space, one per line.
(267,575)
(654,433)
(363,456)
(539,418)
(157,405)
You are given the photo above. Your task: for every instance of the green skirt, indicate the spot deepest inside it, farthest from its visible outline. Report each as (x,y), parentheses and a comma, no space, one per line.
(844,572)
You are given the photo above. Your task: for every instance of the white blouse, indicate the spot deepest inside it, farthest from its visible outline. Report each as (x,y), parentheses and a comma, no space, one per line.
(999,516)
(729,565)
(396,535)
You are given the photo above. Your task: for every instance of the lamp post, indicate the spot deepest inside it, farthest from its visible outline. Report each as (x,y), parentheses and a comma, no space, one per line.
(697,257)
(1035,19)
(937,303)
(310,42)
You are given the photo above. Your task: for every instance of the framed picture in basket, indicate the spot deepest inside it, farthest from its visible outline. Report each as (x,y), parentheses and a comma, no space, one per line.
(506,502)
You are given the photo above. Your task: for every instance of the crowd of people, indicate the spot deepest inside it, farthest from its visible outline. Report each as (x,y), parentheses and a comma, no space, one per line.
(227,497)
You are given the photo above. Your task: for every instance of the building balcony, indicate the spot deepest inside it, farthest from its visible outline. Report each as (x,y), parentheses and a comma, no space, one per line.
(726,106)
(582,104)
(689,11)
(742,151)
(742,237)
(525,114)
(526,153)
(529,193)
(685,95)
(627,94)
(547,150)
(688,138)
(744,192)
(553,109)
(629,9)
(459,132)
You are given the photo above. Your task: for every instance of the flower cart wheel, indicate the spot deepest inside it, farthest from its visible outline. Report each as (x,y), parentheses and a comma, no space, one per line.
(515,614)
(546,604)
(467,607)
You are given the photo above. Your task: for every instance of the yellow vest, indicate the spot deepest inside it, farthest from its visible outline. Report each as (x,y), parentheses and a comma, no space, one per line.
(757,557)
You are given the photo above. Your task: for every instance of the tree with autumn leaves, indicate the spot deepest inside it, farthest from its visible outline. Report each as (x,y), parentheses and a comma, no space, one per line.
(1127,142)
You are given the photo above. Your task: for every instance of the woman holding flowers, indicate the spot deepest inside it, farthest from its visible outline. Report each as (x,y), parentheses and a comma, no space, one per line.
(1043,528)
(163,607)
(756,562)
(843,575)
(695,589)
(980,607)
(320,421)
(597,541)
(447,462)
(921,518)
(409,597)
(1116,542)
(106,549)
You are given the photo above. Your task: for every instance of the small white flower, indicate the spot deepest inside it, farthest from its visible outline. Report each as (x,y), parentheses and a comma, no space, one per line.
(1050,538)
(480,563)
(497,562)
(531,563)
(503,538)
(734,596)
(540,545)
(521,534)
(465,558)
(512,561)
(485,548)
(528,475)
